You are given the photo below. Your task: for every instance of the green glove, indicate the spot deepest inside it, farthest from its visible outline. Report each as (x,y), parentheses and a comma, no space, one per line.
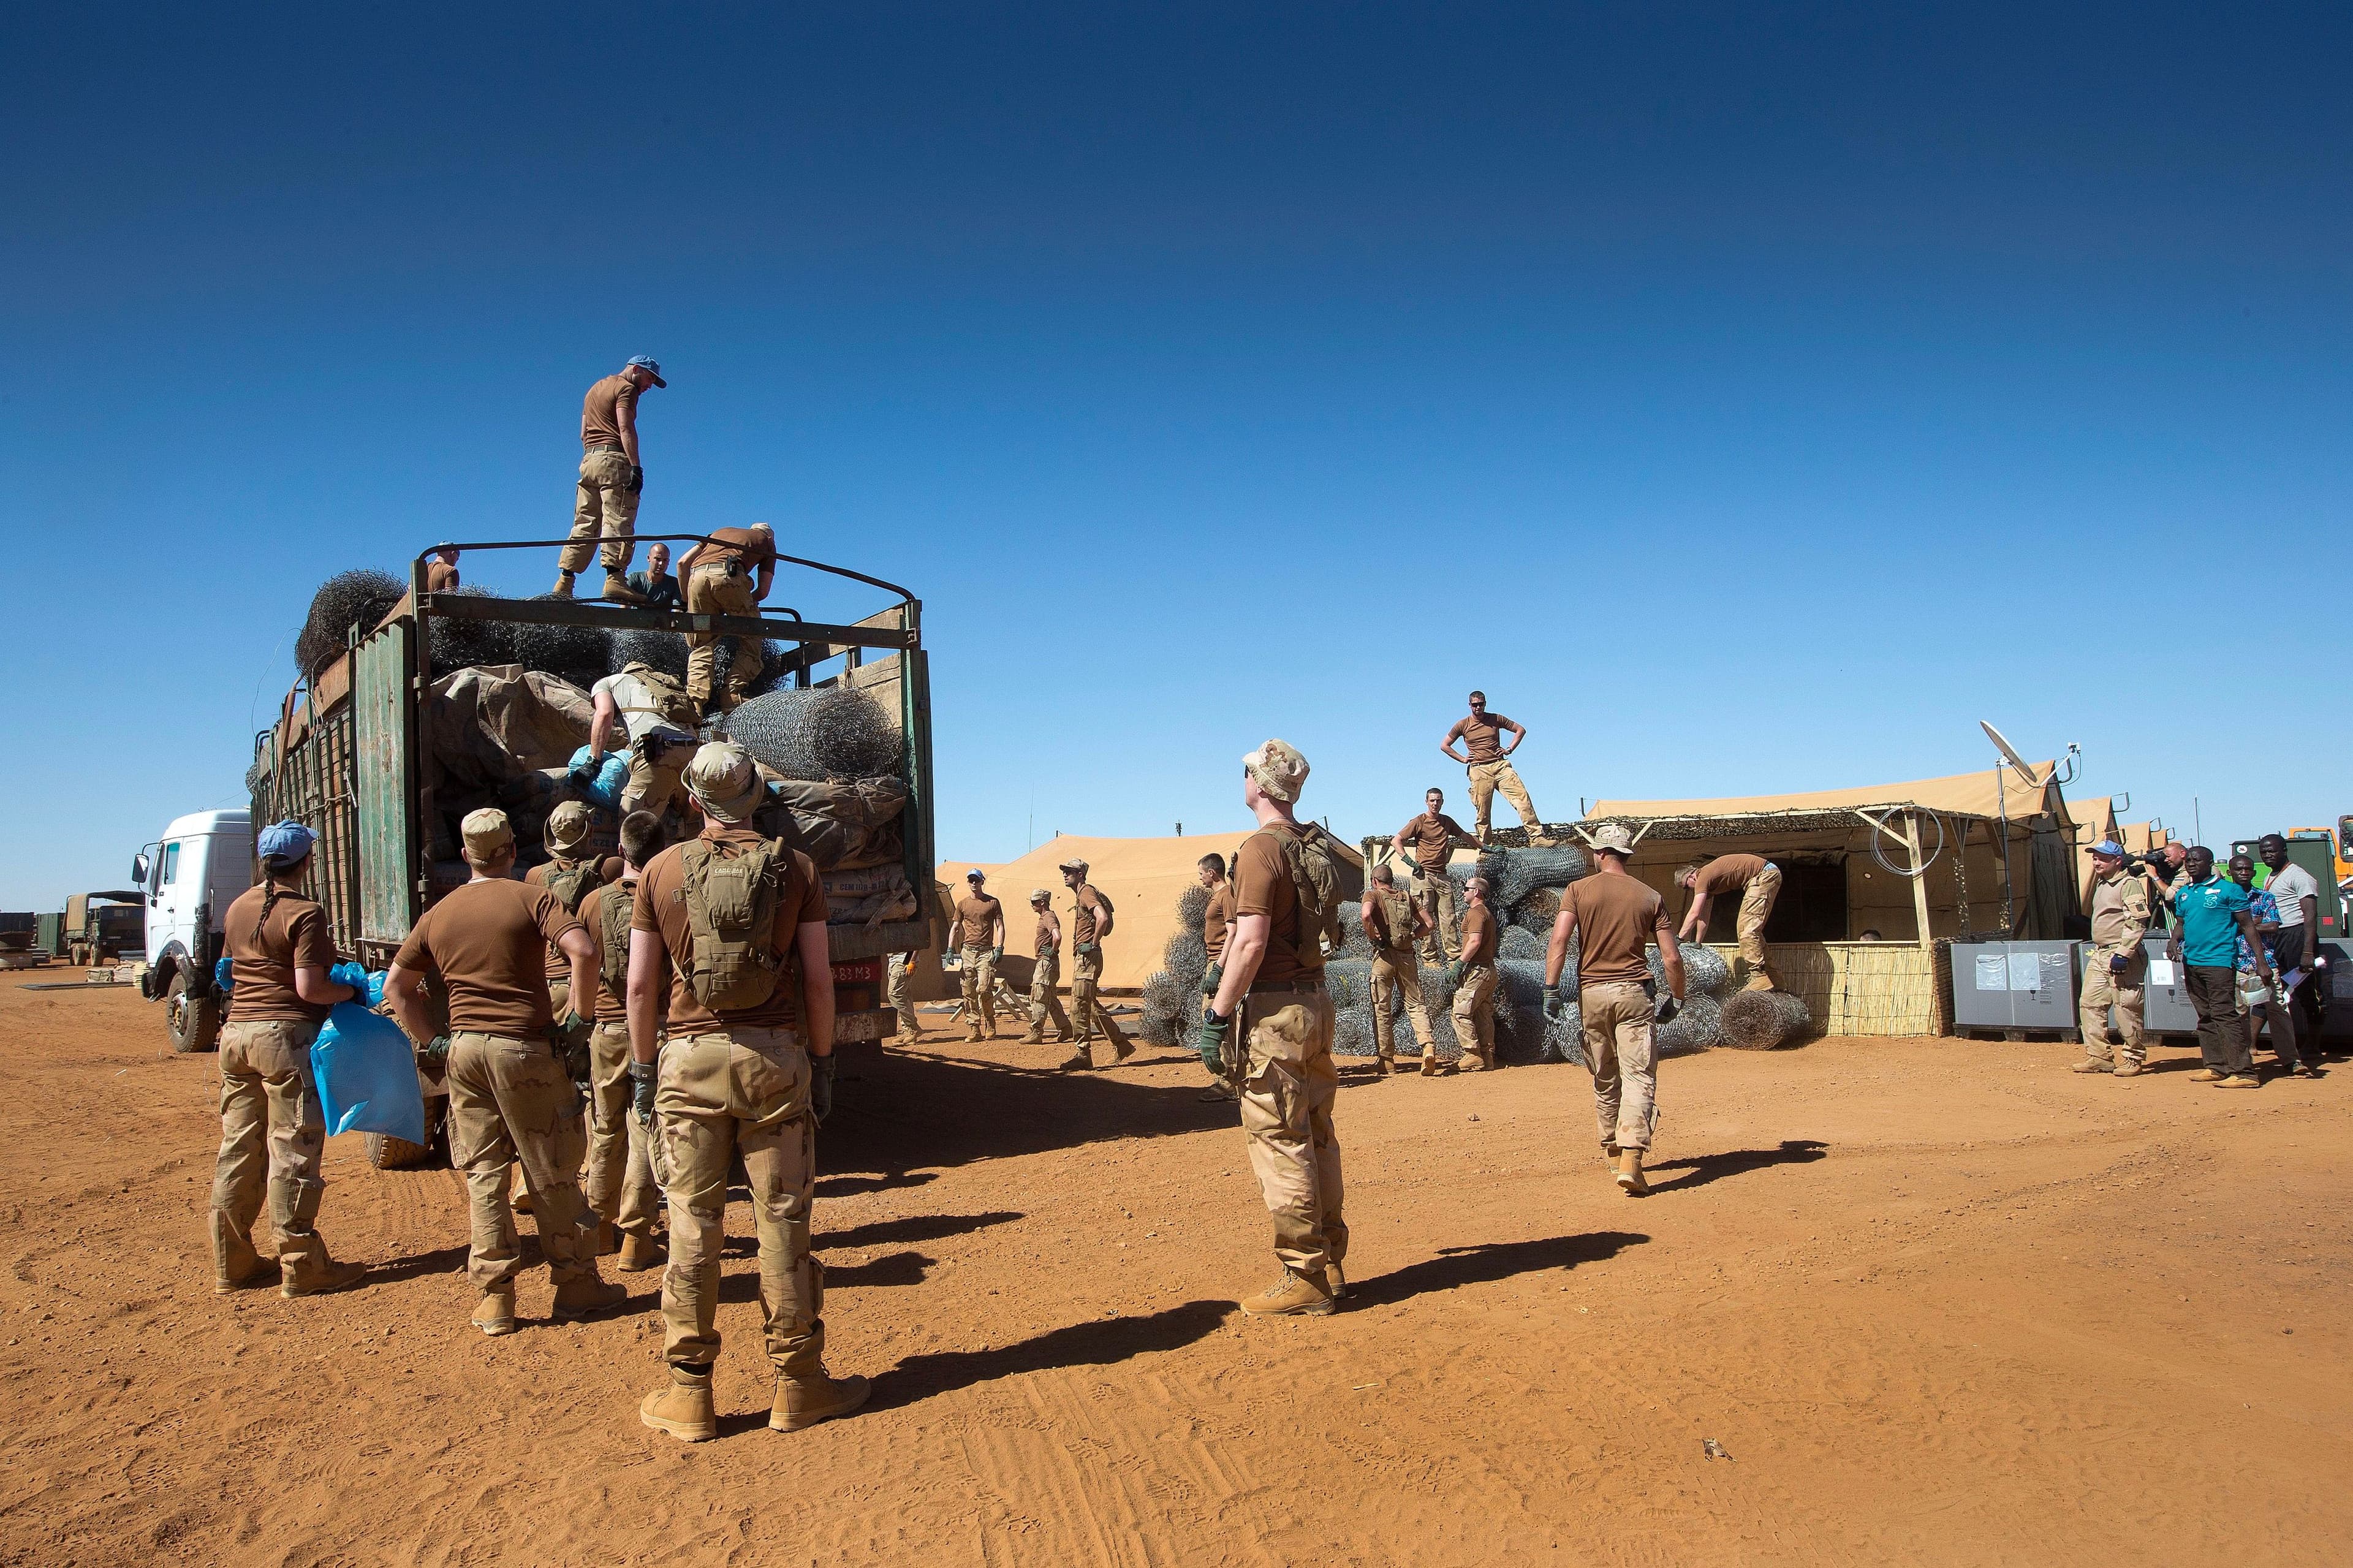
(572,1022)
(438,1048)
(576,1065)
(1454,974)
(996,954)
(1211,1043)
(1212,980)
(1556,1005)
(1087,948)
(643,1078)
(820,1088)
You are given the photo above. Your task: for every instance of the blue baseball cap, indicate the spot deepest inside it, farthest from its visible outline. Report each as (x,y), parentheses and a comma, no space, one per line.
(285,843)
(2109,846)
(649,365)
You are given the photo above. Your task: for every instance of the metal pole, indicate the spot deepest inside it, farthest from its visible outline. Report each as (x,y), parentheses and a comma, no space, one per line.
(2001,796)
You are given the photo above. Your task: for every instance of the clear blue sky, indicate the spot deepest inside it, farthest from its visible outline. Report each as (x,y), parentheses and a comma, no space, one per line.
(1748,398)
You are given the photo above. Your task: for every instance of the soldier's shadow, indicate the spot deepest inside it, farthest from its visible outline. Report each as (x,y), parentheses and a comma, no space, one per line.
(1099,1341)
(1706,1168)
(1486,1262)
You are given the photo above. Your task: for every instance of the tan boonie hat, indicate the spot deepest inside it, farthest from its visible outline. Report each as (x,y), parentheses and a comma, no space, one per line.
(1078,866)
(725,780)
(567,826)
(487,834)
(1612,837)
(1279,769)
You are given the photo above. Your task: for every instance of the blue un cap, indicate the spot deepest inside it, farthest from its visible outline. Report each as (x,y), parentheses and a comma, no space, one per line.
(649,365)
(2109,846)
(285,844)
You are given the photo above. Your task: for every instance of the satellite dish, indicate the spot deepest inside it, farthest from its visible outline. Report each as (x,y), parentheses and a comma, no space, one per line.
(2009,753)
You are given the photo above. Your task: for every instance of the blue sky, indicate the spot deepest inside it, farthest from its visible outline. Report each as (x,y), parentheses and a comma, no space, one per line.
(1748,399)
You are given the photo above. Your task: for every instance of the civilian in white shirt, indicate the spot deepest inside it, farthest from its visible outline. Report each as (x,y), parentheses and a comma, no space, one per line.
(2295,946)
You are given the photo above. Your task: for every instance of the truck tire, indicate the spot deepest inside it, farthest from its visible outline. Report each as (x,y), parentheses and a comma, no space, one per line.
(192,1022)
(387,1153)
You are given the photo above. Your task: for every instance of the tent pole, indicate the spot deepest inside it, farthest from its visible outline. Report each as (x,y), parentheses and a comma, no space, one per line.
(2001,796)
(1919,881)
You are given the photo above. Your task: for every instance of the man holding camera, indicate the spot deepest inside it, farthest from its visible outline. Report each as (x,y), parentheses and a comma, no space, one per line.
(2118,965)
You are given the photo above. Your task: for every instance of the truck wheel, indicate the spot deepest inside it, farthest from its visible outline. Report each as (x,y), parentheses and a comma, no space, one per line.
(387,1153)
(192,1022)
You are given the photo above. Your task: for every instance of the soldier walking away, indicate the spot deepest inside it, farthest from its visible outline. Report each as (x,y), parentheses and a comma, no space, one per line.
(621,1189)
(1617,915)
(1217,926)
(1273,1018)
(657,720)
(2210,916)
(1473,978)
(1043,1004)
(1393,923)
(1432,838)
(281,964)
(442,571)
(1760,883)
(899,990)
(2296,945)
(655,585)
(1091,922)
(612,477)
(2117,969)
(731,926)
(980,942)
(727,574)
(1486,758)
(511,1098)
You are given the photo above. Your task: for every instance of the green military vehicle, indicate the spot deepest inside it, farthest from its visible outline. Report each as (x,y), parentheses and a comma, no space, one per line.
(354,756)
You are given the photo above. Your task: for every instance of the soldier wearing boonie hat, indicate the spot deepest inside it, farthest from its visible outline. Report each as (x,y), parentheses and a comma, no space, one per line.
(570,875)
(612,477)
(1091,922)
(282,980)
(1043,1004)
(733,925)
(1271,1010)
(510,1098)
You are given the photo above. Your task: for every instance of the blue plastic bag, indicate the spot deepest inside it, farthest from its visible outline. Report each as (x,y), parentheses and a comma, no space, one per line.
(366,1072)
(600,782)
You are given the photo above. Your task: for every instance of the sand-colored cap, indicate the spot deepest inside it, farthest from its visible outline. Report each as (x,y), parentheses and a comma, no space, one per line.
(1279,768)
(567,826)
(724,782)
(488,834)
(1078,866)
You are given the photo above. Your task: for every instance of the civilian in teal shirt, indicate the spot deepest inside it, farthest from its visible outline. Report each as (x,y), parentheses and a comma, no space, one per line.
(2210,915)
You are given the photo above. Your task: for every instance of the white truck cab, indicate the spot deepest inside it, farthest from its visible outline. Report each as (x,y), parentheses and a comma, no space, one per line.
(190,876)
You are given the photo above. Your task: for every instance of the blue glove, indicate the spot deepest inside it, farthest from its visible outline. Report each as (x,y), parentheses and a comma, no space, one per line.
(352,974)
(222,979)
(1211,1043)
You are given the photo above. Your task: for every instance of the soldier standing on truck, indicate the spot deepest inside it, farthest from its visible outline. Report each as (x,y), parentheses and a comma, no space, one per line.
(1043,1004)
(1487,760)
(1393,920)
(727,574)
(1091,922)
(612,477)
(731,926)
(657,721)
(980,942)
(510,1097)
(620,1184)
(1271,1010)
(281,985)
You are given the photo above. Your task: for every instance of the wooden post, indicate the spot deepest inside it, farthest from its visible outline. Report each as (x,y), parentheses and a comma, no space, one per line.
(1919,881)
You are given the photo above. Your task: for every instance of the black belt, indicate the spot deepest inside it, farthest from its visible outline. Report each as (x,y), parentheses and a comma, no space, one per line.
(1288,988)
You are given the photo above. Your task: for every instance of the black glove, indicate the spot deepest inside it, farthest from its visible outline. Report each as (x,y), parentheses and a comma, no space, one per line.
(820,1088)
(438,1048)
(1212,980)
(576,1065)
(643,1078)
(1211,1043)
(1663,1010)
(637,480)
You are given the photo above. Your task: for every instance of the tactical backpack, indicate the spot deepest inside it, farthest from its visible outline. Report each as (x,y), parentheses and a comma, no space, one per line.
(731,904)
(571,884)
(669,701)
(614,915)
(1308,858)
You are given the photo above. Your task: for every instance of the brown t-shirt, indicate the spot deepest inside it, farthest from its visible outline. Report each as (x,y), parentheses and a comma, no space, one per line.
(1049,934)
(977,921)
(440,577)
(1392,926)
(662,908)
(600,413)
(1263,887)
(1432,837)
(264,954)
(1479,926)
(1616,918)
(1478,735)
(1085,902)
(1217,915)
(1726,872)
(741,545)
(488,942)
(612,1001)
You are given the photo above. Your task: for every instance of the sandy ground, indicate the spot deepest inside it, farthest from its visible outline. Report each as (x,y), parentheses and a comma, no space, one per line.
(1940,1302)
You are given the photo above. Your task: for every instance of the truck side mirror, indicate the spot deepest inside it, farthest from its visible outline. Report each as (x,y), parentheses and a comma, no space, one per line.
(139,870)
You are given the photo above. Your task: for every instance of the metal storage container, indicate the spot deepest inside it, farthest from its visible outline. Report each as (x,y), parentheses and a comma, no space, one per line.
(2014,984)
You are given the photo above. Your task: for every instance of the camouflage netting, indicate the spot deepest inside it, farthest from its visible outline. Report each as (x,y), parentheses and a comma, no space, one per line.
(826,732)
(360,597)
(1764,1020)
(463,645)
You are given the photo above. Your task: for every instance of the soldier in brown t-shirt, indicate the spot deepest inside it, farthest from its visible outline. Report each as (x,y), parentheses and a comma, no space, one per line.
(1432,838)
(620,1186)
(1091,922)
(442,571)
(612,477)
(1487,759)
(1272,1000)
(273,1127)
(1474,981)
(754,1079)
(727,574)
(1044,1005)
(980,942)
(1393,920)
(510,1099)
(1614,917)
(1759,881)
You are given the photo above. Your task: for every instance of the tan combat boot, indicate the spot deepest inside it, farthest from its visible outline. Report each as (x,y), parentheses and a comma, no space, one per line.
(638,1253)
(316,1274)
(585,1294)
(563,589)
(618,590)
(1036,1036)
(234,1263)
(494,1314)
(1294,1294)
(1630,1180)
(803,1402)
(1337,1280)
(681,1406)
(1429,1062)
(1080,1062)
(2093,1063)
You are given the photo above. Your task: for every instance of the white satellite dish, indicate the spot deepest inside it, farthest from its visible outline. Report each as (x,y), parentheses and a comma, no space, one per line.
(2009,753)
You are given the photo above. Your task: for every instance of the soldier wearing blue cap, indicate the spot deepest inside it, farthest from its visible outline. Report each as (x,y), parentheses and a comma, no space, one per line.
(612,476)
(280,957)
(2117,967)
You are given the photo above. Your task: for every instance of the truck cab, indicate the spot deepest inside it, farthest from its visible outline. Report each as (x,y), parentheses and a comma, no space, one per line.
(189,877)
